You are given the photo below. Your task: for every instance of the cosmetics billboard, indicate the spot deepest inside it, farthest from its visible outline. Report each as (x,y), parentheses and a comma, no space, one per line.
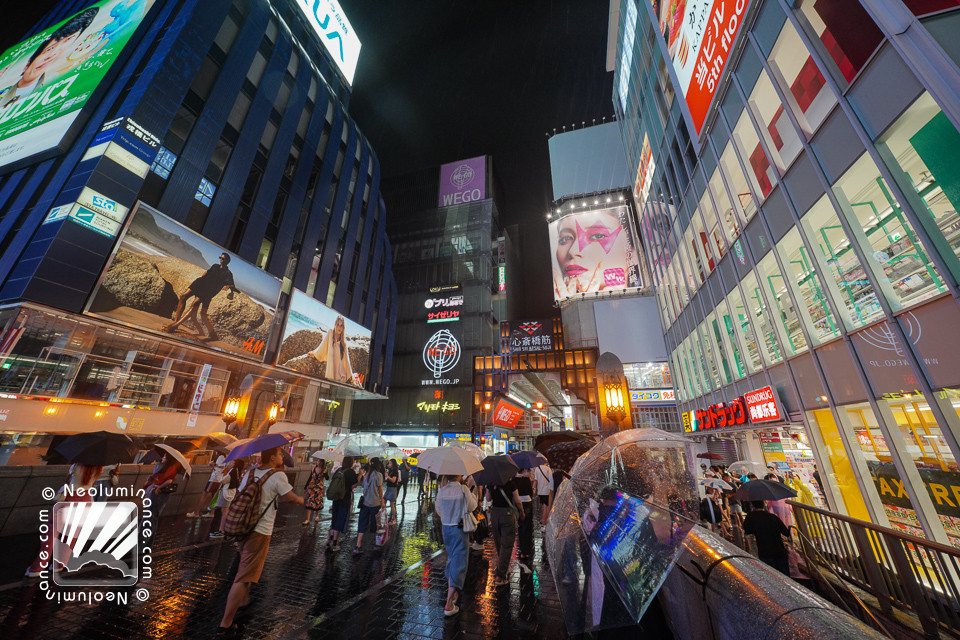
(593,251)
(321,342)
(46,80)
(169,280)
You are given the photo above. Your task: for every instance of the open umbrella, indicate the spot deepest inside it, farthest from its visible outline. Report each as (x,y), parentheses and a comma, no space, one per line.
(745,467)
(325,454)
(176,455)
(360,445)
(98,448)
(496,471)
(716,483)
(710,456)
(546,440)
(562,456)
(764,490)
(262,443)
(528,459)
(222,438)
(469,447)
(449,461)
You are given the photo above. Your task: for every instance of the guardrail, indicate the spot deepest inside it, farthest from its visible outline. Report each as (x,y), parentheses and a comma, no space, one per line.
(899,570)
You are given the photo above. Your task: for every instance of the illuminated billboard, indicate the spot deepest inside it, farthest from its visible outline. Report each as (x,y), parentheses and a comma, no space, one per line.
(700,35)
(531,336)
(46,80)
(335,32)
(645,170)
(593,251)
(506,414)
(462,181)
(170,280)
(322,342)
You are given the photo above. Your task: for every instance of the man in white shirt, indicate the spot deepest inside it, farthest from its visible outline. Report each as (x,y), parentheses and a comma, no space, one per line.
(253,548)
(543,477)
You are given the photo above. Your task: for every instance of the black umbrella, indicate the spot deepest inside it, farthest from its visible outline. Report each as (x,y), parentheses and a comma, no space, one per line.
(764,490)
(98,448)
(496,471)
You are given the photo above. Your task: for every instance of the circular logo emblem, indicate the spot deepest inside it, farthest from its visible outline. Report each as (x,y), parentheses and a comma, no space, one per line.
(441,353)
(428,304)
(462,176)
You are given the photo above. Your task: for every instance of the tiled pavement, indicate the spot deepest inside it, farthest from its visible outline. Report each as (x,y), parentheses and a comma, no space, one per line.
(396,591)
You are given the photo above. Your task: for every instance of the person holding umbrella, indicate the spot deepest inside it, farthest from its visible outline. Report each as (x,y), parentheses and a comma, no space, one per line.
(341,505)
(769,531)
(372,502)
(161,484)
(454,501)
(313,491)
(505,510)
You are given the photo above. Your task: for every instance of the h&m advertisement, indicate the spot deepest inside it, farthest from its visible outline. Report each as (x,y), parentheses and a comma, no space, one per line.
(167,279)
(700,35)
(319,341)
(593,251)
(47,79)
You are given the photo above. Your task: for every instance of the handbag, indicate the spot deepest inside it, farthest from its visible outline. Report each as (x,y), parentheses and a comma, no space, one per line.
(170,488)
(483,529)
(469,522)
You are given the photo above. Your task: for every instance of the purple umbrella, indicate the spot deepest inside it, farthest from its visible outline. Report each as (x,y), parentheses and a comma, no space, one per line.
(262,443)
(528,459)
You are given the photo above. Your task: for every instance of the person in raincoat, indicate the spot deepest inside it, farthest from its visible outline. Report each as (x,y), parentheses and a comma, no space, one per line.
(804,494)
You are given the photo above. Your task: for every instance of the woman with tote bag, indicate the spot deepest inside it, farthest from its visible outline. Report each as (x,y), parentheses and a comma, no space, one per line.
(455,505)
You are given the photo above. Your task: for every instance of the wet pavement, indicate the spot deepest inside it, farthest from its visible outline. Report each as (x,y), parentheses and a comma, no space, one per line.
(394,591)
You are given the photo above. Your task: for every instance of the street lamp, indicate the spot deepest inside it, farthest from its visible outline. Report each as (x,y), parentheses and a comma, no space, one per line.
(613,394)
(483,420)
(273,413)
(230,412)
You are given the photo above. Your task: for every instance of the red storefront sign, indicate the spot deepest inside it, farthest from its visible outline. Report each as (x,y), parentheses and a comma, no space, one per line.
(720,416)
(506,415)
(762,405)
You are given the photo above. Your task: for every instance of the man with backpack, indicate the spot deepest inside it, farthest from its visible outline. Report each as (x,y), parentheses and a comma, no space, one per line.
(340,492)
(256,505)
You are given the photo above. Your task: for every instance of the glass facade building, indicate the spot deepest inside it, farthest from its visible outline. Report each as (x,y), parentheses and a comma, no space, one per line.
(803,232)
(254,150)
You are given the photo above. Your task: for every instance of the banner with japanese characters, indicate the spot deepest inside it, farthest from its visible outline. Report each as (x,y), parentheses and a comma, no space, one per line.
(531,336)
(700,35)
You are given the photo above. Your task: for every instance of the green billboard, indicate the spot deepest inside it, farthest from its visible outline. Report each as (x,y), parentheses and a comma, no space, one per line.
(46,80)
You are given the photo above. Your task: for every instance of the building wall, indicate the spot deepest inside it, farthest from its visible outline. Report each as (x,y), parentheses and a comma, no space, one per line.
(268,163)
(808,240)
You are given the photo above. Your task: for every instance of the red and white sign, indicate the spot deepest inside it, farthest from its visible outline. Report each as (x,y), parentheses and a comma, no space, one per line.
(700,35)
(506,415)
(762,405)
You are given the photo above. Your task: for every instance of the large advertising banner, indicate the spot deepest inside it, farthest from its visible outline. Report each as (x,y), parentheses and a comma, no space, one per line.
(170,280)
(47,79)
(594,251)
(645,170)
(700,35)
(321,342)
(328,21)
(462,181)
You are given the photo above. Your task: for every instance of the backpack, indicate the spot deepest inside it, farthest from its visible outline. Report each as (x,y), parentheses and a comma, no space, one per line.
(242,516)
(337,490)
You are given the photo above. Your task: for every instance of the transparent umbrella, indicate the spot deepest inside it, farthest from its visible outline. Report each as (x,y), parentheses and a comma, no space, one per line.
(359,445)
(468,447)
(389,453)
(744,467)
(617,526)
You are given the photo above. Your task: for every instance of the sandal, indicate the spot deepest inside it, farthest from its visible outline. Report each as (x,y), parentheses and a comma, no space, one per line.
(451,612)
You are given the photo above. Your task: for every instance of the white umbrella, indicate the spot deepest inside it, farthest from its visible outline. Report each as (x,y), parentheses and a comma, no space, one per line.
(469,447)
(716,483)
(326,454)
(744,467)
(449,461)
(176,455)
(389,453)
(360,444)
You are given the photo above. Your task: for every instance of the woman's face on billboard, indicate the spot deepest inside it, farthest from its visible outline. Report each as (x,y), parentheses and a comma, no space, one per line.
(590,246)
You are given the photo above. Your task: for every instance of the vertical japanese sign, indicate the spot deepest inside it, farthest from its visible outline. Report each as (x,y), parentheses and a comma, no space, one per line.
(198,395)
(700,35)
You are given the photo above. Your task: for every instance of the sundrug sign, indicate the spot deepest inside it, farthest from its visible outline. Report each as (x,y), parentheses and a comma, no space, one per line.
(462,181)
(335,32)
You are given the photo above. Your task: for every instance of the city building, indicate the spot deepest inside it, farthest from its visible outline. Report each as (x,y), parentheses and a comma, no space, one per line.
(797,167)
(444,228)
(187,211)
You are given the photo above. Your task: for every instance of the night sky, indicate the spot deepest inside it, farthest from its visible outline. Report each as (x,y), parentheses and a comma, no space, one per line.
(443,80)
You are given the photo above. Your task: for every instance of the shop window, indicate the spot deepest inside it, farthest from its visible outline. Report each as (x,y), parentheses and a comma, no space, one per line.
(845,277)
(759,169)
(839,473)
(902,263)
(785,319)
(728,217)
(710,355)
(266,250)
(712,329)
(724,332)
(799,77)
(944,28)
(807,288)
(848,33)
(778,132)
(700,244)
(739,320)
(761,319)
(716,238)
(921,150)
(740,192)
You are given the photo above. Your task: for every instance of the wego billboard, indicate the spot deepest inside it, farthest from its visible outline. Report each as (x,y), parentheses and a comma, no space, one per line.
(700,35)
(46,80)
(593,251)
(462,181)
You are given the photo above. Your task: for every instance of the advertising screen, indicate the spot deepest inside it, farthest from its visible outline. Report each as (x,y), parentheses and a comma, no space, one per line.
(167,279)
(593,251)
(47,79)
(462,181)
(321,342)
(700,35)
(645,170)
(445,305)
(506,414)
(328,21)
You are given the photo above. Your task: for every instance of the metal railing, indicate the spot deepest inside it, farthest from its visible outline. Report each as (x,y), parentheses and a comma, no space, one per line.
(899,570)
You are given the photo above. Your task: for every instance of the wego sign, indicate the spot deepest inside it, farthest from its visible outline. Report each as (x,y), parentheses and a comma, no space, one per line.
(441,353)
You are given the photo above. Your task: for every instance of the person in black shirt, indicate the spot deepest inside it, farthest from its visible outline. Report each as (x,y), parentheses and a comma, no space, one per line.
(214,280)
(392,483)
(404,479)
(525,534)
(769,531)
(505,510)
(421,479)
(341,507)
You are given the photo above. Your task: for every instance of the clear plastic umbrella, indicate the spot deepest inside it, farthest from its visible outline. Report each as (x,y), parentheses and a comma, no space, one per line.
(359,445)
(468,447)
(744,467)
(389,453)
(618,524)
(326,454)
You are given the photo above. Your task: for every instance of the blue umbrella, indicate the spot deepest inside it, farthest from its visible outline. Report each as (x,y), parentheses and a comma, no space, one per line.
(528,459)
(262,443)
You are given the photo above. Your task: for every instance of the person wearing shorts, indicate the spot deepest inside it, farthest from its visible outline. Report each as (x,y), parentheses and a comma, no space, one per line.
(253,548)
